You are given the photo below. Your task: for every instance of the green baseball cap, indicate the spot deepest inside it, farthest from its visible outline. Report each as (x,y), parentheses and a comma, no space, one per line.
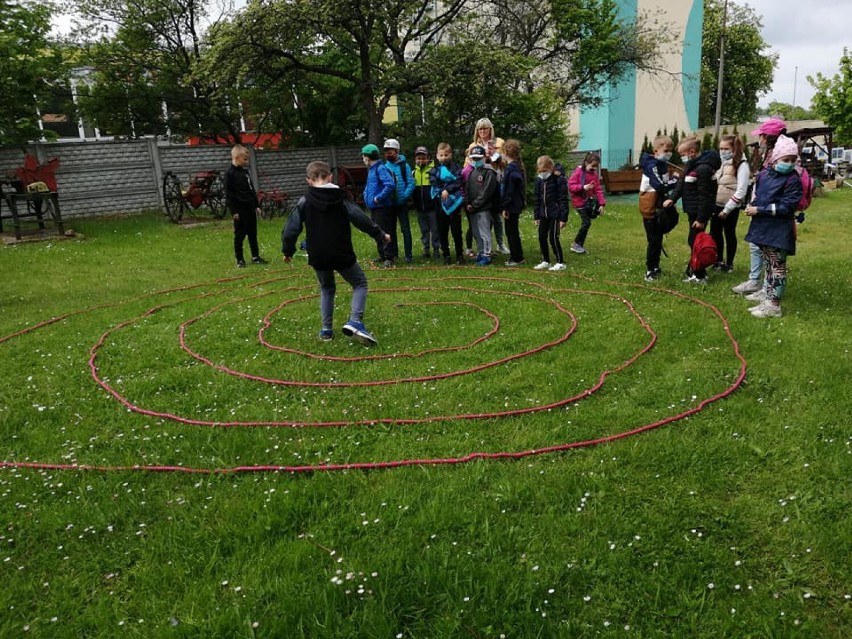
(369,149)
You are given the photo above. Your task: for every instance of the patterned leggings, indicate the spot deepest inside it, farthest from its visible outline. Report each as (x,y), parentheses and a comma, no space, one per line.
(775,262)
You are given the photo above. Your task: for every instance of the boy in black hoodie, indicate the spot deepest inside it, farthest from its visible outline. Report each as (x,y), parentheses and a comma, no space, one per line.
(326,214)
(697,189)
(241,200)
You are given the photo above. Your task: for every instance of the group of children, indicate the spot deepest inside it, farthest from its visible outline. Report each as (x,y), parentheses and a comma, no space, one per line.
(490,189)
(713,187)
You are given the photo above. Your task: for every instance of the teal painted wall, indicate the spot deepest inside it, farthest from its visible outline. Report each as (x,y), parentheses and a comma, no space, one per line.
(612,127)
(691,62)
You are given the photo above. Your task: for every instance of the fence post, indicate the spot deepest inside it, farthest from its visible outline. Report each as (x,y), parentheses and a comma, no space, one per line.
(252,167)
(154,153)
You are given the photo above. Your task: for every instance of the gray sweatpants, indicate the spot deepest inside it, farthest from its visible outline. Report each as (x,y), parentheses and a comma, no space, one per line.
(482,231)
(357,280)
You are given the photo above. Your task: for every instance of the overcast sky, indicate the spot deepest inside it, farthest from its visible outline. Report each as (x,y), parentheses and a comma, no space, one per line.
(808,34)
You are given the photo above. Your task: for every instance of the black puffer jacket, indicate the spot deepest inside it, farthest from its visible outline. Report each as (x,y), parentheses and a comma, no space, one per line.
(697,186)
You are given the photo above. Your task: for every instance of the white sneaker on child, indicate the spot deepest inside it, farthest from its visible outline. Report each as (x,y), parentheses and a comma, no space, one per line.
(559,266)
(749,286)
(541,266)
(757,296)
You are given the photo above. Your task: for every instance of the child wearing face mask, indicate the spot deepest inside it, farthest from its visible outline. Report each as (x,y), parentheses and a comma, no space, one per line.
(777,191)
(732,177)
(656,187)
(481,188)
(448,196)
(550,213)
(583,184)
(697,186)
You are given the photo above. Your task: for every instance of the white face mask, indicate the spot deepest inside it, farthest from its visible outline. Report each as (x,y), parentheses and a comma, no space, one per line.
(663,157)
(544,175)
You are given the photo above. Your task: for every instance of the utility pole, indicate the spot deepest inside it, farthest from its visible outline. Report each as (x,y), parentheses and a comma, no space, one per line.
(720,80)
(795,81)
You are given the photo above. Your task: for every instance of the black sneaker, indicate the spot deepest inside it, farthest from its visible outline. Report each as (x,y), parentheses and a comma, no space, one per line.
(241,264)
(258,260)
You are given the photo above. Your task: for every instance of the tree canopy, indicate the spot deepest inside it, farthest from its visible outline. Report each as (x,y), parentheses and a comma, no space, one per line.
(30,67)
(833,99)
(749,68)
(145,56)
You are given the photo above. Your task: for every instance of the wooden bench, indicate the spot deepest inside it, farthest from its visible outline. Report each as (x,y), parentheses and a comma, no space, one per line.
(622,181)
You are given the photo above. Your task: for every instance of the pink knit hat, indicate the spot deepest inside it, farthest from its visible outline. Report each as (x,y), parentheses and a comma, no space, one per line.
(773,126)
(783,147)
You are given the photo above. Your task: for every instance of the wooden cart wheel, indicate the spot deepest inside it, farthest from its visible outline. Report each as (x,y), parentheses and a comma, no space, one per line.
(172,197)
(216,198)
(343,178)
(267,206)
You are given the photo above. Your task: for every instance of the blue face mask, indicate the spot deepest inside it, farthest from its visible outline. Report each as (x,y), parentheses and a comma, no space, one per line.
(478,164)
(726,155)
(784,167)
(663,157)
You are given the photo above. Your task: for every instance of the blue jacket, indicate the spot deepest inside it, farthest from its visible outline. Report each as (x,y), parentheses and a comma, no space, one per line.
(404,179)
(776,197)
(380,187)
(658,173)
(512,189)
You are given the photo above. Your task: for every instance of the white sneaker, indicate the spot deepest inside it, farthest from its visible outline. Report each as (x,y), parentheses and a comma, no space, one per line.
(767,310)
(757,296)
(559,266)
(694,279)
(749,286)
(541,266)
(502,249)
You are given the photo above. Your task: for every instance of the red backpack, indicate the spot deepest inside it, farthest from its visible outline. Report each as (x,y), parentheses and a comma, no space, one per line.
(703,252)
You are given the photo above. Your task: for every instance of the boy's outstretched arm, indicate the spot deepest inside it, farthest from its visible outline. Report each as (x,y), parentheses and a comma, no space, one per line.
(364,224)
(291,231)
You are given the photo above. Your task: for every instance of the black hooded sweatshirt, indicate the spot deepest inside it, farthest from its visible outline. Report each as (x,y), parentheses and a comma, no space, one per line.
(326,215)
(697,186)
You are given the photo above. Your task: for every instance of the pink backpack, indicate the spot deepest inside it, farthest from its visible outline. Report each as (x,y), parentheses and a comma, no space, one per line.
(807,188)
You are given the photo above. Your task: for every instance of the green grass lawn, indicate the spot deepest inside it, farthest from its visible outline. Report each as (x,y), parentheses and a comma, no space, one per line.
(167,475)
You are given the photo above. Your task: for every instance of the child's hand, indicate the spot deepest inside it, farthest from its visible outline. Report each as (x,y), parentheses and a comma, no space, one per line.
(505,215)
(386,239)
(698,225)
(236,217)
(257,211)
(288,259)
(589,187)
(536,222)
(562,225)
(601,211)
(445,194)
(667,203)
(751,210)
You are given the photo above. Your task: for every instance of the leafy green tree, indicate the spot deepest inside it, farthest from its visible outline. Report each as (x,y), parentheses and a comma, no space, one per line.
(145,55)
(789,112)
(748,70)
(30,69)
(580,46)
(833,99)
(372,48)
